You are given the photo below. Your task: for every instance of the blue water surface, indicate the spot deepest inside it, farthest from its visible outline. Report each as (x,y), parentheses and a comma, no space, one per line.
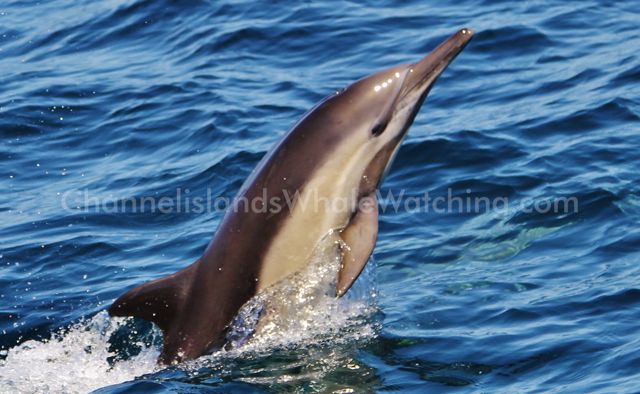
(125,99)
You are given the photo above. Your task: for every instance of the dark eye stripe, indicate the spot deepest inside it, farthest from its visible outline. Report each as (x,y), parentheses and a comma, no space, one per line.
(379,128)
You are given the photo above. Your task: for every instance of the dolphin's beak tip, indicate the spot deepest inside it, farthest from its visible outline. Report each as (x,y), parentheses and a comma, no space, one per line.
(466,31)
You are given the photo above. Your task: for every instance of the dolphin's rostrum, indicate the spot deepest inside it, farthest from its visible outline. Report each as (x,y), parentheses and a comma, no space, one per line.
(338,150)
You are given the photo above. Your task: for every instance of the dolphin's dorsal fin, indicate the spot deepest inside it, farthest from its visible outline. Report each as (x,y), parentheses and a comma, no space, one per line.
(360,238)
(157,301)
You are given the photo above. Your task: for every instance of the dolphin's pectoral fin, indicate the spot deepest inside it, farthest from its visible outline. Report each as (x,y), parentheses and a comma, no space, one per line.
(156,301)
(360,238)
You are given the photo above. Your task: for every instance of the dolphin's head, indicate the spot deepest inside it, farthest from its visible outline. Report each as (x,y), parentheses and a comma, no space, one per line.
(377,111)
(392,97)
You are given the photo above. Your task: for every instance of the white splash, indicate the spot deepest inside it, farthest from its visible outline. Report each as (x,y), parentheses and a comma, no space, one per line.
(72,362)
(301,311)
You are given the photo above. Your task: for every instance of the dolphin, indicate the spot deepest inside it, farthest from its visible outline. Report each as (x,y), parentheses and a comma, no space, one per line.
(339,151)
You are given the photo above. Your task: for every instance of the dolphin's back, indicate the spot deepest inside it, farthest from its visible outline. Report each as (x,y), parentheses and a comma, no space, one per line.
(194,306)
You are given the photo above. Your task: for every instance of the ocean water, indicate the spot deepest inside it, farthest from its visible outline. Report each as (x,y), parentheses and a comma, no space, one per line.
(538,290)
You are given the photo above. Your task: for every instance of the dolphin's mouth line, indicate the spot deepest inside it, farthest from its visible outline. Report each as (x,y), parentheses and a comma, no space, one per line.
(423,74)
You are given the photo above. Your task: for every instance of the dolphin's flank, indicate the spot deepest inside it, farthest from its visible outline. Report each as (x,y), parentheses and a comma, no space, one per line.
(339,150)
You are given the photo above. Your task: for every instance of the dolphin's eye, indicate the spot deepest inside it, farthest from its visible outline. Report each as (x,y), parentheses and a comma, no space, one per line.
(379,128)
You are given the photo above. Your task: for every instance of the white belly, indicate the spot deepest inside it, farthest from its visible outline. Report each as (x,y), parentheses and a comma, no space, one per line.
(325,205)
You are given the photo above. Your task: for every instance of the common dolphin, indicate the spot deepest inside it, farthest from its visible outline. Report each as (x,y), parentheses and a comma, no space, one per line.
(344,144)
